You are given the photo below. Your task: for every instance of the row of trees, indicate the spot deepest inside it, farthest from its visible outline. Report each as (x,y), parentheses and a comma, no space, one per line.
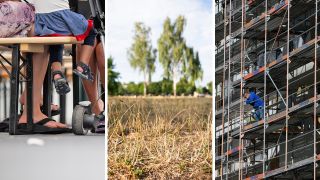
(180,62)
(163,87)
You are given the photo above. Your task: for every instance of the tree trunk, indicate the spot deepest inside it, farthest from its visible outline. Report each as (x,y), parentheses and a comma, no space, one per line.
(145,89)
(149,78)
(174,81)
(145,85)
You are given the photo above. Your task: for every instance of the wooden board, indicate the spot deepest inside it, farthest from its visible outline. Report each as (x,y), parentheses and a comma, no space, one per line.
(39,40)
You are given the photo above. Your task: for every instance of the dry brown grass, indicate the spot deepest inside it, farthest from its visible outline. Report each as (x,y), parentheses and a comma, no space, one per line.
(159,138)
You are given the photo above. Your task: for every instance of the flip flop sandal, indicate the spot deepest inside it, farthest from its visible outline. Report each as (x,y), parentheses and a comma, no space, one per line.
(86,73)
(99,124)
(61,84)
(40,128)
(53,112)
(4,125)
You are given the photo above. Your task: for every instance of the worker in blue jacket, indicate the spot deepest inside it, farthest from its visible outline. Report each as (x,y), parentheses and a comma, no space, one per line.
(256,102)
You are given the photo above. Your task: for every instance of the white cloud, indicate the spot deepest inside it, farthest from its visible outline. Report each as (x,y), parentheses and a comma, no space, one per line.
(122,14)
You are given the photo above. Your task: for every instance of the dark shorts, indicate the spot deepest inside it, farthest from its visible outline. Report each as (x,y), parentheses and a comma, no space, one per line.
(56,53)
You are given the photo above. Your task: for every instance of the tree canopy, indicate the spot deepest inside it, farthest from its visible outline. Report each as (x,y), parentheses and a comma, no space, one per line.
(176,58)
(141,55)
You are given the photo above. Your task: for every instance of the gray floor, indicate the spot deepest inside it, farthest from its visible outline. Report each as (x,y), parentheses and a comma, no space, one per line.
(52,157)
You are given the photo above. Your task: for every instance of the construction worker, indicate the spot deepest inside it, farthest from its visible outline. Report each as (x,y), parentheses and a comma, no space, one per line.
(256,102)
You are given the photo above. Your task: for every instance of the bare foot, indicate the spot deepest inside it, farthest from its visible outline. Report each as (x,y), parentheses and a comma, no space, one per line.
(79,68)
(39,117)
(54,107)
(57,76)
(97,107)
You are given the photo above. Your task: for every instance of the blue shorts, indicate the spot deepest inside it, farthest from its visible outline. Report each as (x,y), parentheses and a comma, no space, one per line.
(64,23)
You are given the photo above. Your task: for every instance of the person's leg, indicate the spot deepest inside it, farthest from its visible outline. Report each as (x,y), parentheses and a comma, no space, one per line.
(256,115)
(91,87)
(87,50)
(100,57)
(40,63)
(85,55)
(56,57)
(259,114)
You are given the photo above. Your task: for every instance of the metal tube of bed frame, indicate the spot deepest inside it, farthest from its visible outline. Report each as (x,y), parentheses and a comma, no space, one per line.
(287,88)
(315,96)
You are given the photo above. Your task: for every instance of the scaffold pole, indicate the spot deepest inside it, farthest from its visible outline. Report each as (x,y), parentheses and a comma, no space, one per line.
(315,97)
(287,85)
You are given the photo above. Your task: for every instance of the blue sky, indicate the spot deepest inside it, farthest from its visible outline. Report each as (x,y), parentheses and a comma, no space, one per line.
(122,14)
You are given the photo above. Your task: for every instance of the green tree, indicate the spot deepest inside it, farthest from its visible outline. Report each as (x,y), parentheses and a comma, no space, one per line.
(113,76)
(193,70)
(141,55)
(134,89)
(185,87)
(171,46)
(175,56)
(166,86)
(209,87)
(154,88)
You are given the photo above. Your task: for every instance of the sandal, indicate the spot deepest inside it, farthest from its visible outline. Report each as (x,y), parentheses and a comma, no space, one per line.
(40,128)
(86,73)
(61,84)
(4,125)
(53,112)
(99,124)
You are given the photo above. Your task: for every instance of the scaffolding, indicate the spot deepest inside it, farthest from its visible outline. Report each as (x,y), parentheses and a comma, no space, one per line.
(270,46)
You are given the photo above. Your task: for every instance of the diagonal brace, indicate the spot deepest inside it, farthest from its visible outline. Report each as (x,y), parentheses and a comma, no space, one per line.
(267,72)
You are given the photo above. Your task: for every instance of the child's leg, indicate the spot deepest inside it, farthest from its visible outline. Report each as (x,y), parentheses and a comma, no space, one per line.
(87,49)
(56,55)
(91,87)
(99,52)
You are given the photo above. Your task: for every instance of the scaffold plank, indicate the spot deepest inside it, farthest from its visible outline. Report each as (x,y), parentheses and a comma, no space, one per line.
(274,10)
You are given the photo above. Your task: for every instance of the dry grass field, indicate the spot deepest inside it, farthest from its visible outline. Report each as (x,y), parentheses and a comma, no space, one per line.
(159,138)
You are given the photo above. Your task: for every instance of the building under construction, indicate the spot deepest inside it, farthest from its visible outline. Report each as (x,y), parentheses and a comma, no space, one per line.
(271,47)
